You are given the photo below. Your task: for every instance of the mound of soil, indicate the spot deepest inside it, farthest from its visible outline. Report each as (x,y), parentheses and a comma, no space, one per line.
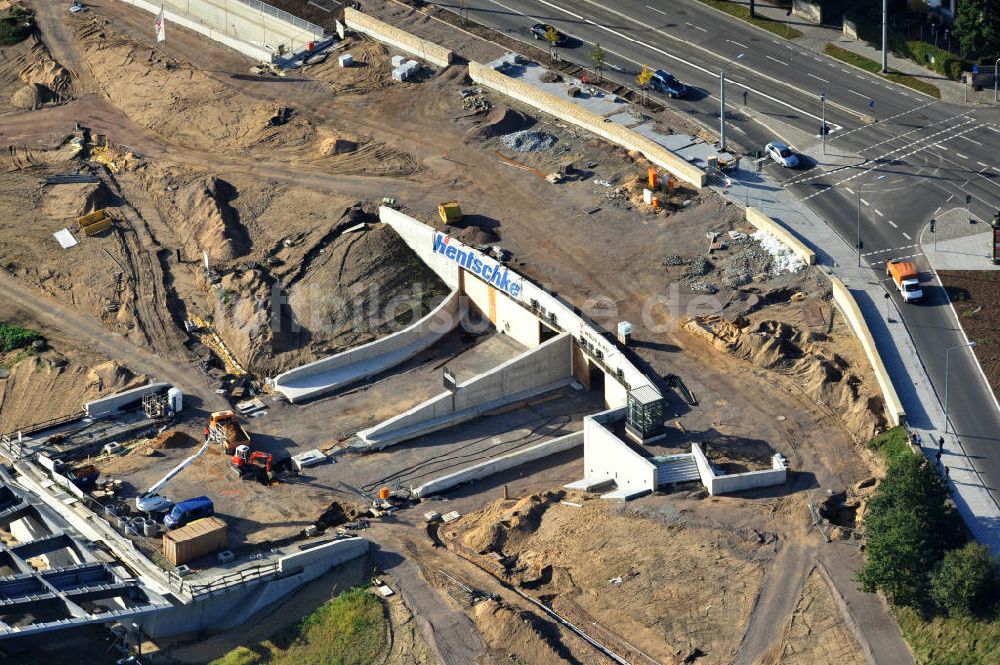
(30,97)
(50,74)
(509,631)
(208,223)
(501,120)
(172,439)
(804,357)
(53,385)
(503,523)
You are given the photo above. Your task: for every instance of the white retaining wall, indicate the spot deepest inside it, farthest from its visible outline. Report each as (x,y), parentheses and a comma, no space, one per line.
(535,371)
(738,482)
(421,239)
(249,42)
(498,464)
(108,406)
(328,374)
(607,456)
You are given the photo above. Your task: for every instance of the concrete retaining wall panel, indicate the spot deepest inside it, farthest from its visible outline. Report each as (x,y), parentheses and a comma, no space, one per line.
(738,482)
(849,307)
(254,51)
(429,51)
(810,11)
(108,406)
(332,554)
(761,221)
(572,113)
(498,464)
(328,374)
(605,455)
(534,370)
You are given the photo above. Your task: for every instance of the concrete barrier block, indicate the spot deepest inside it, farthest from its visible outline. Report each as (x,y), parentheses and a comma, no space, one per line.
(389,34)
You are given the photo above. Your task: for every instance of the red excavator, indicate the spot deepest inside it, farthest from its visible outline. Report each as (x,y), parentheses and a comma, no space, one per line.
(252,465)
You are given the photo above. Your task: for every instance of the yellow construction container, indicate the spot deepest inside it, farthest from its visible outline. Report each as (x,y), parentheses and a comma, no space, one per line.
(451,212)
(95,222)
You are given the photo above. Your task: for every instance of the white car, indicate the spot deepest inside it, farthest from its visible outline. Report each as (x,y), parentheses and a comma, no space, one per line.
(76,8)
(782,154)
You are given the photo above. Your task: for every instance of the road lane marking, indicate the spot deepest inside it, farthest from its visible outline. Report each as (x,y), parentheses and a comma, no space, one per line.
(850,190)
(857,93)
(959,155)
(981,164)
(893,224)
(658,11)
(561,9)
(781,62)
(817,78)
(865,202)
(879,213)
(907,235)
(696,27)
(970,140)
(737,43)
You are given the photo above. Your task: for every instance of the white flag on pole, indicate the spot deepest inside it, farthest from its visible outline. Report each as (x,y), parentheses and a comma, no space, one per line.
(161,31)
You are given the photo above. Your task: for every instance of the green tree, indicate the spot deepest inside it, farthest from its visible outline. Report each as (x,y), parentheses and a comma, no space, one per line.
(978,28)
(908,526)
(966,580)
(597,56)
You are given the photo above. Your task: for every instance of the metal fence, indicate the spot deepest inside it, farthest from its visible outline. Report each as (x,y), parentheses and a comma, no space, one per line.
(282,15)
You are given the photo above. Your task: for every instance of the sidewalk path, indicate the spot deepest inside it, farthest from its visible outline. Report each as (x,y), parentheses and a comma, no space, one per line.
(925,413)
(815,37)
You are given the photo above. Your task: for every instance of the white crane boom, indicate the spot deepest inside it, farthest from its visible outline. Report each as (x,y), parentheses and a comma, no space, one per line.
(150,501)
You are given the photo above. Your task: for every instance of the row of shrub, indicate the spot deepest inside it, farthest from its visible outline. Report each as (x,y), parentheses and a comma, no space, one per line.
(918,553)
(944,62)
(15,337)
(16,25)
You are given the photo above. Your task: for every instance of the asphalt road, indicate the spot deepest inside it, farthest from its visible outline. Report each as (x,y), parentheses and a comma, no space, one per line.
(920,158)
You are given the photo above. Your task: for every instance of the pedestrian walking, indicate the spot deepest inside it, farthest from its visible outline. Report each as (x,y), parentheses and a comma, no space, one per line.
(947,472)
(940,444)
(937,456)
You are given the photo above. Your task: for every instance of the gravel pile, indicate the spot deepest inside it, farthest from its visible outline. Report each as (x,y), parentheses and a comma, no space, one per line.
(528,141)
(699,267)
(676,260)
(745,265)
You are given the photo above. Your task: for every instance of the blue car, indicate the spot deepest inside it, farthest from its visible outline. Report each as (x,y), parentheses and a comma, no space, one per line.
(666,83)
(189,511)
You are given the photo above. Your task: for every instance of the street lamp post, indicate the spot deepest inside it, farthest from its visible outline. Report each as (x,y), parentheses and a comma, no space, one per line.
(861,187)
(947,367)
(722,99)
(822,128)
(995,72)
(885,36)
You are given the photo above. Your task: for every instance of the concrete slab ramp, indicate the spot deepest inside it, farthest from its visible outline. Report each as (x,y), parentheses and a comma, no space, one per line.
(324,376)
(536,371)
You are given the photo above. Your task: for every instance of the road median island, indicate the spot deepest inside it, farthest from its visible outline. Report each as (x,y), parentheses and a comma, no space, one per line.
(849,308)
(597,124)
(383,32)
(740,11)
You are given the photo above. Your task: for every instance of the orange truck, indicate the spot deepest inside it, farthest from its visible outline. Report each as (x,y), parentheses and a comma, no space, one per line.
(906,278)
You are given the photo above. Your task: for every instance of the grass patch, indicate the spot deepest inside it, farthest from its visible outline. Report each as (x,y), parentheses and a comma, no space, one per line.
(742,12)
(852,58)
(15,337)
(348,630)
(16,25)
(892,444)
(949,641)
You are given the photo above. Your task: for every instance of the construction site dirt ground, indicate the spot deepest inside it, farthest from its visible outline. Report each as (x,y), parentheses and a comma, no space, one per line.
(609,261)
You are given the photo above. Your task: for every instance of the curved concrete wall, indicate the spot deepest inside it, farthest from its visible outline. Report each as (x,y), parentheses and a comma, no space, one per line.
(498,464)
(323,376)
(429,51)
(845,301)
(581,117)
(768,225)
(534,372)
(421,239)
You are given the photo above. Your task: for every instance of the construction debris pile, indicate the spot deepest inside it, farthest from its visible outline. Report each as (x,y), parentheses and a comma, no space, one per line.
(528,141)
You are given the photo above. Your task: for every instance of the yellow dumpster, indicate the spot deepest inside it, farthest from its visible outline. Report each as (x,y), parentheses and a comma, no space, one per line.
(451,212)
